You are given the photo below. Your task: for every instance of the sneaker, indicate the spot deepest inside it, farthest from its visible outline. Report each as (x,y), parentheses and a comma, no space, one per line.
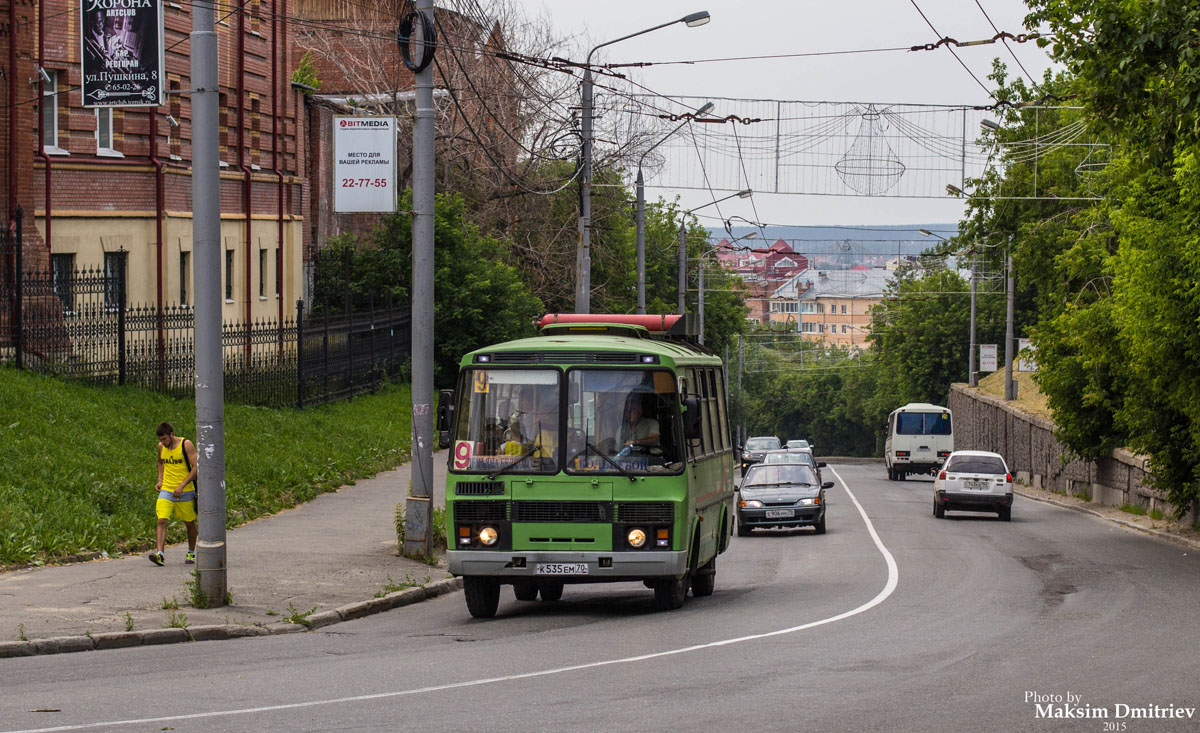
(156,558)
(190,558)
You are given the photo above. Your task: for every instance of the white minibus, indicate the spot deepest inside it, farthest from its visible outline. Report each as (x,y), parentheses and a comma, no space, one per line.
(919,437)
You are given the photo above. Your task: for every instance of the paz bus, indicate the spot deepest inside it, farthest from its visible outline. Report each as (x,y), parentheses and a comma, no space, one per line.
(596,451)
(918,438)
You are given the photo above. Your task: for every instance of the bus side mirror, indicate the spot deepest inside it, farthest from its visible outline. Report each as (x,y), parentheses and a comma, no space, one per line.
(691,418)
(445,416)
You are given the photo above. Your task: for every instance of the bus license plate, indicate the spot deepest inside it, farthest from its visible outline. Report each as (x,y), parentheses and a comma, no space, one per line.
(562,568)
(780,513)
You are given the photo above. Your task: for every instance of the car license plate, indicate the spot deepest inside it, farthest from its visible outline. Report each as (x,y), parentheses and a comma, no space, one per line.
(976,484)
(780,513)
(562,568)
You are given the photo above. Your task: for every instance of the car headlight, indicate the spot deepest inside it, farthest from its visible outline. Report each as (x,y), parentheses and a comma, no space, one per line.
(488,535)
(810,502)
(636,537)
(751,504)
(746,455)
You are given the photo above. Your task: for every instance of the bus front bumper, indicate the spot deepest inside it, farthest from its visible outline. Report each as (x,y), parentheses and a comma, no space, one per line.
(569,566)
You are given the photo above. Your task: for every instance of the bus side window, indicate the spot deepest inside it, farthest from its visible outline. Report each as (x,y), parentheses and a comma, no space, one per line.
(705,412)
(720,433)
(695,448)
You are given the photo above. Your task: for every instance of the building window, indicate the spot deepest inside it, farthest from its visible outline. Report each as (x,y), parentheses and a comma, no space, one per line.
(844,327)
(262,273)
(62,273)
(843,309)
(185,276)
(50,115)
(228,276)
(104,133)
(114,279)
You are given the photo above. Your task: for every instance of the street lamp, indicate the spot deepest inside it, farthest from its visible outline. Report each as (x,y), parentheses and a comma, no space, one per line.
(972,380)
(583,253)
(683,244)
(641,212)
(700,285)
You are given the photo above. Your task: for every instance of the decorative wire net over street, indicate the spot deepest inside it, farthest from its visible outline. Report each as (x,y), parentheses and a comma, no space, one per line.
(860,149)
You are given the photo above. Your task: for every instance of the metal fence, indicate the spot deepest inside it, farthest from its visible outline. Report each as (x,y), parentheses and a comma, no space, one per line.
(78,325)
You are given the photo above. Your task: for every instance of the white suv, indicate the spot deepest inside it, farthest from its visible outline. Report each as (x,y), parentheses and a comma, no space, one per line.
(973,480)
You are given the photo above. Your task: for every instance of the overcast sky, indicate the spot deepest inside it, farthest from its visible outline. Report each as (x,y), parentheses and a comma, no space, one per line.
(762,27)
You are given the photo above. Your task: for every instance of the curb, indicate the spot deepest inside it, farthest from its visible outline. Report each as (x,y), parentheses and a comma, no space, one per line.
(123,639)
(1156,533)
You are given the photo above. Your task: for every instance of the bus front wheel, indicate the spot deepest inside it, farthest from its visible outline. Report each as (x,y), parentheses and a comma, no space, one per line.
(483,595)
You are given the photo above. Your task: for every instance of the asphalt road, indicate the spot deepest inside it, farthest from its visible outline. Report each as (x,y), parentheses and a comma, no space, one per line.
(929,625)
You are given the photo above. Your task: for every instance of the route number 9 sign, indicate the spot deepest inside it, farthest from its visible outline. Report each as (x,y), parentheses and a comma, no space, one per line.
(364,164)
(462,454)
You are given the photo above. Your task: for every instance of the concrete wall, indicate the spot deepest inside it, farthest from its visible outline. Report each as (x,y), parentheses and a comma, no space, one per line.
(1036,458)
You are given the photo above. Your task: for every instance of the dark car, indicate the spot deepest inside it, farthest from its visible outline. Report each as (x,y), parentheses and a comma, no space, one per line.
(755,448)
(781,495)
(803,458)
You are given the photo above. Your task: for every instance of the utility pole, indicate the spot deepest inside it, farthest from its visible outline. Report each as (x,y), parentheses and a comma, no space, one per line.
(583,252)
(418,527)
(741,403)
(971,379)
(206,236)
(682,285)
(1010,391)
(641,242)
(700,301)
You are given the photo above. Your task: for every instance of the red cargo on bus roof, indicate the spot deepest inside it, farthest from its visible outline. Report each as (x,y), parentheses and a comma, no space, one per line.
(653,324)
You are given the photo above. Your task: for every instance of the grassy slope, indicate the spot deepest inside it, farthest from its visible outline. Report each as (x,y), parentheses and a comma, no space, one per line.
(1029,398)
(77,463)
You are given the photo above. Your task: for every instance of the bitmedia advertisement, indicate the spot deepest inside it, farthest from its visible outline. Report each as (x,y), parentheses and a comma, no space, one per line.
(364,164)
(122,58)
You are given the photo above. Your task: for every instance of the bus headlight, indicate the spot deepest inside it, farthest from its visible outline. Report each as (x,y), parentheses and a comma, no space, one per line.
(636,537)
(488,535)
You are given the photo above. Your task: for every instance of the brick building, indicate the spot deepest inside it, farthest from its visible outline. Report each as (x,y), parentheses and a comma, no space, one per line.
(97,185)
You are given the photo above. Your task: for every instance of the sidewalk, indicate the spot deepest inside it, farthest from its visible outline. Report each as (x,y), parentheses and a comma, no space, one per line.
(337,551)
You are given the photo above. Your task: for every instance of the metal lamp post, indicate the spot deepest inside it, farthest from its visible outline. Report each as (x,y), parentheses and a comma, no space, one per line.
(583,254)
(641,212)
(682,299)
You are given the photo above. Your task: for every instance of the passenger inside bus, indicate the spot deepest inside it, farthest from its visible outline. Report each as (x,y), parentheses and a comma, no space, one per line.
(533,425)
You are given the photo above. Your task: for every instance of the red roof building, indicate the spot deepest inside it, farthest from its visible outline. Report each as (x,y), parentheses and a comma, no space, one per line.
(763,270)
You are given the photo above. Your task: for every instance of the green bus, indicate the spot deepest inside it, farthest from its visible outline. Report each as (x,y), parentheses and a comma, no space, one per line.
(596,451)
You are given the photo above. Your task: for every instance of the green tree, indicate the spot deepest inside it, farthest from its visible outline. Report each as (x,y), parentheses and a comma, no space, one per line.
(479,299)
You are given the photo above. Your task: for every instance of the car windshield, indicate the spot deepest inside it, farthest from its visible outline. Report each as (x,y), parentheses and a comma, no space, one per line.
(622,421)
(799,457)
(762,444)
(923,423)
(508,419)
(797,444)
(976,464)
(763,476)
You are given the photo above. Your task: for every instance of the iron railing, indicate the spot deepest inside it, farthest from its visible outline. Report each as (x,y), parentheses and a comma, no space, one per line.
(78,325)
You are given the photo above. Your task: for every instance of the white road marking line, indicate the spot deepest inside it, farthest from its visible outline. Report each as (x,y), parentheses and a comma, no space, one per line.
(888,588)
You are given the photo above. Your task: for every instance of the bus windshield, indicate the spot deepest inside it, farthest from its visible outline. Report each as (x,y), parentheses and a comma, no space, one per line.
(923,423)
(622,421)
(508,419)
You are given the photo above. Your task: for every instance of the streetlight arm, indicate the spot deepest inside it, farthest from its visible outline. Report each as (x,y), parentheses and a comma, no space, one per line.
(588,62)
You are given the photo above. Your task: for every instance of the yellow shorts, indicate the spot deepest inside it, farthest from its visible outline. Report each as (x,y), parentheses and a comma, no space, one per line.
(184,510)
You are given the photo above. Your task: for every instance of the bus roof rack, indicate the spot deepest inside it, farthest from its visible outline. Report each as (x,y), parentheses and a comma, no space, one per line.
(671,325)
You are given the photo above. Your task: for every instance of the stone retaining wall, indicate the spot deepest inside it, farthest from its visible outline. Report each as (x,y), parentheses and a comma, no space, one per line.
(1027,442)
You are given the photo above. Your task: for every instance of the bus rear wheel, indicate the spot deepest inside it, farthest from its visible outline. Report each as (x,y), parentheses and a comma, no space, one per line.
(551,590)
(525,590)
(483,595)
(705,579)
(669,594)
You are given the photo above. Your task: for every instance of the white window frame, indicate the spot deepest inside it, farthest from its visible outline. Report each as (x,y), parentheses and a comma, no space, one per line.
(50,107)
(101,150)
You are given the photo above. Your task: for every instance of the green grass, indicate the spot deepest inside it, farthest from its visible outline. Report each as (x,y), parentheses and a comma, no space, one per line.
(77,463)
(1134,509)
(1156,514)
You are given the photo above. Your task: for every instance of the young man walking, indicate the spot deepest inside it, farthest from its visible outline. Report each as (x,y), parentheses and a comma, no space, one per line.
(176,489)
